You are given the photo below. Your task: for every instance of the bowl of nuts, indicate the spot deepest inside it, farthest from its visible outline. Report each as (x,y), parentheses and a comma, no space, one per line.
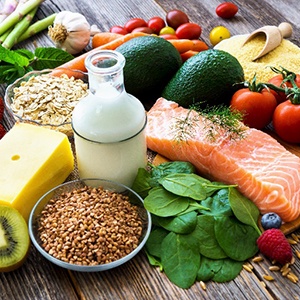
(89,225)
(46,100)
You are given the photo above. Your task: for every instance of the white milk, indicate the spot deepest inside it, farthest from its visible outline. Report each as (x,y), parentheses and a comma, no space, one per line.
(108,126)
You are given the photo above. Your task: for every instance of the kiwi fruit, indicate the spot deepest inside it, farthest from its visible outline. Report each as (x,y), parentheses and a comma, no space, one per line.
(14,239)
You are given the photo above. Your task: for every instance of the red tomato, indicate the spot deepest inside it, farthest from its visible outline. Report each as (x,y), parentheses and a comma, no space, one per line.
(257,107)
(118,29)
(156,24)
(286,121)
(277,81)
(189,31)
(168,36)
(226,10)
(176,17)
(135,23)
(143,29)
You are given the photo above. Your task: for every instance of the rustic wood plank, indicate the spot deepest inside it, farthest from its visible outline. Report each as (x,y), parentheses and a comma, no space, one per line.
(37,279)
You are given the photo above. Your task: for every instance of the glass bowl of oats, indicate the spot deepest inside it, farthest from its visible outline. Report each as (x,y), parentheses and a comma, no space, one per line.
(89,225)
(46,100)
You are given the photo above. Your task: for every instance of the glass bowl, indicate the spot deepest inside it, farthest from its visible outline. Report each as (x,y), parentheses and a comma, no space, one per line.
(46,103)
(78,216)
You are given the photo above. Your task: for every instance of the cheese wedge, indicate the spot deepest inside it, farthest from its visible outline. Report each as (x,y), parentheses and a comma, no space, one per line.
(33,160)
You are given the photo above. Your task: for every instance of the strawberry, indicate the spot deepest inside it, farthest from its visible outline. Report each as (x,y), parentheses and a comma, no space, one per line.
(1,108)
(274,245)
(2,131)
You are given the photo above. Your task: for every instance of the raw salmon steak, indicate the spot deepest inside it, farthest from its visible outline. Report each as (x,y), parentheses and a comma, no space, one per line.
(264,171)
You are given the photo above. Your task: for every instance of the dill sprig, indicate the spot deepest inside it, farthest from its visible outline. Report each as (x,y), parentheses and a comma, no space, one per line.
(217,120)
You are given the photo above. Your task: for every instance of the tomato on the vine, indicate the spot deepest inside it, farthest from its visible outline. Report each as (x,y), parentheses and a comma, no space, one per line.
(257,108)
(176,17)
(279,81)
(134,23)
(286,121)
(156,24)
(226,10)
(191,31)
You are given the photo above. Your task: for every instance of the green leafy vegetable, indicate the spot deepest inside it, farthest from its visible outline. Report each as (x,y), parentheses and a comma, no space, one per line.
(165,204)
(205,235)
(16,63)
(237,239)
(244,209)
(183,224)
(218,204)
(181,259)
(186,185)
(202,230)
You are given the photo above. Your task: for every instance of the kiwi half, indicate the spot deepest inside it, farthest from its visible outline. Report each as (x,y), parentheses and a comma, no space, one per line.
(14,239)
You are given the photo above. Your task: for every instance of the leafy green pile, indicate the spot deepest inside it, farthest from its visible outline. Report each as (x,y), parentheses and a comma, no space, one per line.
(202,230)
(16,63)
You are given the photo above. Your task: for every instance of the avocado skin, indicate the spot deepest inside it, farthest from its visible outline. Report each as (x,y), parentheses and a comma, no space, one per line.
(207,78)
(150,64)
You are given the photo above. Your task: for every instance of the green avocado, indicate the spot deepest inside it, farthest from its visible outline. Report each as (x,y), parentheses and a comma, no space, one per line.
(207,78)
(151,62)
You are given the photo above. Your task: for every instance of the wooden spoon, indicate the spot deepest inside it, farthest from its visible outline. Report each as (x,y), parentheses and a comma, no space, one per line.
(274,36)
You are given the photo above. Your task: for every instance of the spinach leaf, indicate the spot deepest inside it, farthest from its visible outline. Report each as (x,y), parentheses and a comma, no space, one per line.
(165,204)
(187,185)
(180,259)
(153,244)
(171,167)
(244,209)
(205,236)
(182,224)
(237,239)
(208,268)
(154,261)
(218,204)
(229,270)
(141,184)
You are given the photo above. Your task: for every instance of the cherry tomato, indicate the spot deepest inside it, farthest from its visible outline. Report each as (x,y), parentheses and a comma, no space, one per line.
(277,80)
(286,121)
(118,29)
(134,23)
(168,36)
(257,107)
(143,29)
(167,30)
(176,17)
(156,24)
(189,31)
(226,10)
(218,34)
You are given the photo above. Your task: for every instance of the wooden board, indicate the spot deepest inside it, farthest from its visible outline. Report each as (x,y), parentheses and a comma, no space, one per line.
(286,228)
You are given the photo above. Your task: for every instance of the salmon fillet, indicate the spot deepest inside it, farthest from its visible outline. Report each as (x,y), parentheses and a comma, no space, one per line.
(264,171)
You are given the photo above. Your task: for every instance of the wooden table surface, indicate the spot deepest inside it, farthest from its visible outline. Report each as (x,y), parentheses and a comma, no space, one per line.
(39,279)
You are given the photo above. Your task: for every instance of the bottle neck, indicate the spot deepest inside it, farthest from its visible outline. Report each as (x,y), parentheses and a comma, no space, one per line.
(105,73)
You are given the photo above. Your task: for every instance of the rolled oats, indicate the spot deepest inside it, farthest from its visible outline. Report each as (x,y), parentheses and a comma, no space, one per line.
(48,100)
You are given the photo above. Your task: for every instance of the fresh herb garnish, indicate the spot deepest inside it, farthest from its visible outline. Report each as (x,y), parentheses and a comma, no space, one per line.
(16,63)
(216,120)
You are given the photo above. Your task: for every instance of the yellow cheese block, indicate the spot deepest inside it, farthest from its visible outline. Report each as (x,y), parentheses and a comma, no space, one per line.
(33,160)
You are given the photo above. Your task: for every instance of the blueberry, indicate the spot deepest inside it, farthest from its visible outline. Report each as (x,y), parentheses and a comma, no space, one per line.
(270,220)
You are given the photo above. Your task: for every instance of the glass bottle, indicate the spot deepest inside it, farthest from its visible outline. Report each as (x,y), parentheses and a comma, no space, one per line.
(109,124)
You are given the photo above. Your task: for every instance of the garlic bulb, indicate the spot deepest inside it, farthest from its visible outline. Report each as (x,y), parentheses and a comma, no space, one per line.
(70,31)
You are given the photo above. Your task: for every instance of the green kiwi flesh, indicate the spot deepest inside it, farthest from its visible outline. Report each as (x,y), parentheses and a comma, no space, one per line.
(14,239)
